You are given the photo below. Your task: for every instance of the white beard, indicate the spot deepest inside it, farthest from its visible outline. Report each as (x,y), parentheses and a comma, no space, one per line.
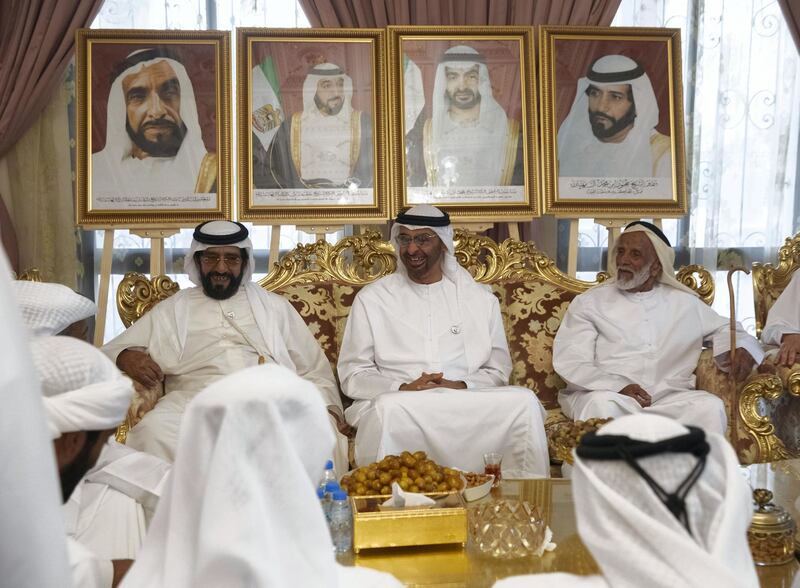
(634,281)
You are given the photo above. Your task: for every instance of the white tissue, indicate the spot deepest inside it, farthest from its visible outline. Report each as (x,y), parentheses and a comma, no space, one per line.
(547,543)
(400,498)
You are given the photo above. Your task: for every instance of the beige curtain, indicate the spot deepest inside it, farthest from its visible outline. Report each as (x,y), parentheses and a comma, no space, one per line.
(37,41)
(36,184)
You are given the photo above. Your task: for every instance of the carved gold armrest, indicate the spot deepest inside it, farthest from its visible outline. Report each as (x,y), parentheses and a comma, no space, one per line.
(793,382)
(789,375)
(698,279)
(760,427)
(137,294)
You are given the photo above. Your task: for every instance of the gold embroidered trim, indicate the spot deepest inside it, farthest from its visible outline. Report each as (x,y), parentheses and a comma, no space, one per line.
(512,140)
(659,145)
(207,174)
(295,143)
(355,139)
(427,152)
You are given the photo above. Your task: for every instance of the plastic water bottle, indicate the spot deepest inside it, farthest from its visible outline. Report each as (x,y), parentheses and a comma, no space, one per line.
(325,503)
(329,475)
(341,522)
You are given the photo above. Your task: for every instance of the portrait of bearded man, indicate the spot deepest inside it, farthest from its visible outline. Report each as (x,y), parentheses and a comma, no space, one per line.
(610,130)
(153,138)
(468,139)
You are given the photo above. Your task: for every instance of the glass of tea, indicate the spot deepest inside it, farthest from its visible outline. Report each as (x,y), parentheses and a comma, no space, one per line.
(491,465)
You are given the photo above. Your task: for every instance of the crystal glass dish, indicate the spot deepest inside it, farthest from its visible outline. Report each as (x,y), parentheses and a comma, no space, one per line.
(506,529)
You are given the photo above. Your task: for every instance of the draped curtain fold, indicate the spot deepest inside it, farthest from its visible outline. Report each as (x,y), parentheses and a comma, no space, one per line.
(37,41)
(380,13)
(791,12)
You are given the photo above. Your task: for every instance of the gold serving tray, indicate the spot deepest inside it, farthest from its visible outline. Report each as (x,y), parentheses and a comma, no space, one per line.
(442,523)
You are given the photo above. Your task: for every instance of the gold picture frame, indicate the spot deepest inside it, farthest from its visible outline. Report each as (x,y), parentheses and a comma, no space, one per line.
(603,159)
(312,125)
(168,161)
(464,135)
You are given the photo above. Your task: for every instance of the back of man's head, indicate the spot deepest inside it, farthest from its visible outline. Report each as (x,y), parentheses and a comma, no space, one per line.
(85,398)
(660,504)
(50,308)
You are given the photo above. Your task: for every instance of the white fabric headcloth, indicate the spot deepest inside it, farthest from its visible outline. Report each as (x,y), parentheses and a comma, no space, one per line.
(486,137)
(240,508)
(83,390)
(326,71)
(665,254)
(32,549)
(219,228)
(450,266)
(637,541)
(49,308)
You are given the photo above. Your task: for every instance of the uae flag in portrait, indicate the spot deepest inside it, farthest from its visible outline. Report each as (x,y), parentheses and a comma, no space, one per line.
(267,110)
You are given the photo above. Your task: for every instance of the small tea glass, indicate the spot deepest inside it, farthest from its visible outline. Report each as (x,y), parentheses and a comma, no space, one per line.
(491,465)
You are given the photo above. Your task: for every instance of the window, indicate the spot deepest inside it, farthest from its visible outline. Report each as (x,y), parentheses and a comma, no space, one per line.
(741,82)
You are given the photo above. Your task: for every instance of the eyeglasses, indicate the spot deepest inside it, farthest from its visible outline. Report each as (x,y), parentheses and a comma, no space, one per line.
(229,260)
(419,240)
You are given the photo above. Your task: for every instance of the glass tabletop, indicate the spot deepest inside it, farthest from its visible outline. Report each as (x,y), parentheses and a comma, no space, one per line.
(457,566)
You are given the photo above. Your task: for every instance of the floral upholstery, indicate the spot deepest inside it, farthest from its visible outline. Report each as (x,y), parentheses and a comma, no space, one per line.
(533,310)
(317,305)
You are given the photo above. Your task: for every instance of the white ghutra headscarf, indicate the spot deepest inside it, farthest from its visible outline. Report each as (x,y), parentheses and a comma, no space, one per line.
(32,550)
(83,390)
(664,252)
(48,308)
(439,223)
(467,154)
(220,233)
(326,140)
(241,508)
(580,153)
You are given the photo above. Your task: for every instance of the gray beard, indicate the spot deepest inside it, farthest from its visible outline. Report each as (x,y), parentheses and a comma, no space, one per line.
(636,280)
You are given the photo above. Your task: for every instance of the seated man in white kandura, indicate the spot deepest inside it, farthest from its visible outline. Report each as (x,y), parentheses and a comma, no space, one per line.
(201,334)
(425,357)
(632,344)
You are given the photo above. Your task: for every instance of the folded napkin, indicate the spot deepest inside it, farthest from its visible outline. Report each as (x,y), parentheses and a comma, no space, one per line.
(547,543)
(400,498)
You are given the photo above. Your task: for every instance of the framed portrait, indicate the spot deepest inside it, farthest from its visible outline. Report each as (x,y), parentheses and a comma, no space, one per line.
(153,127)
(612,122)
(463,128)
(312,125)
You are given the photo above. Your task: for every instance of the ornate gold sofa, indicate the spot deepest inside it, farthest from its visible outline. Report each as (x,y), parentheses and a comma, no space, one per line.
(321,281)
(781,396)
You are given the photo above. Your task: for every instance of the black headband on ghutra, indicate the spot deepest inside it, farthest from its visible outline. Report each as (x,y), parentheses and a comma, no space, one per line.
(650,226)
(622,448)
(240,234)
(423,221)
